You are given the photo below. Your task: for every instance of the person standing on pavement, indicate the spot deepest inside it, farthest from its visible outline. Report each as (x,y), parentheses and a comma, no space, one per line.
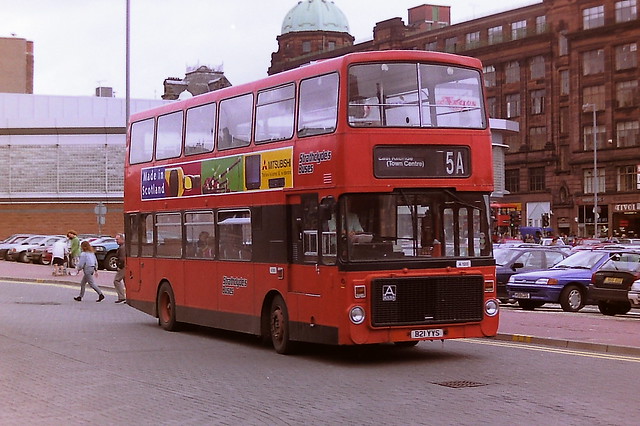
(89,266)
(118,280)
(74,248)
(59,252)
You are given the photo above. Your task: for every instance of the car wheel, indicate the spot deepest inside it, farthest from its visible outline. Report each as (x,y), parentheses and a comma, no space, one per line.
(624,308)
(607,308)
(111,262)
(571,299)
(529,305)
(43,261)
(22,257)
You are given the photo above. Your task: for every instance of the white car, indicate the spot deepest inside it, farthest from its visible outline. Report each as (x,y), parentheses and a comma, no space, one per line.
(634,294)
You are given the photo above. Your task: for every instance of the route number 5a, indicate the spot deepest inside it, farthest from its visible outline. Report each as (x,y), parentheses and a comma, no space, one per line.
(454,163)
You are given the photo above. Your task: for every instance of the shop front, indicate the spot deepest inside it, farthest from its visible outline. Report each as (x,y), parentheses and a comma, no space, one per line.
(626,220)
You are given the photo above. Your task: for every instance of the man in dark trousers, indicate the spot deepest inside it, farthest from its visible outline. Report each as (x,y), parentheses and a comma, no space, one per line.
(118,280)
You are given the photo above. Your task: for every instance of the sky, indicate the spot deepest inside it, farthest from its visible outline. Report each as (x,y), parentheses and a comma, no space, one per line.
(80,45)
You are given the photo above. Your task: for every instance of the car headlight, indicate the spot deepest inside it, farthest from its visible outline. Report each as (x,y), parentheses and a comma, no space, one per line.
(98,248)
(635,286)
(546,281)
(511,279)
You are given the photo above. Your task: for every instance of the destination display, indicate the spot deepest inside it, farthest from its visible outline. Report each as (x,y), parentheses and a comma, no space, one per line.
(421,161)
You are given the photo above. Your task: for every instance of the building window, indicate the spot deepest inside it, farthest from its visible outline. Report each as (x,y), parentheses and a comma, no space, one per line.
(489,76)
(593,62)
(473,40)
(588,181)
(627,178)
(513,105)
(593,17)
(536,179)
(512,180)
(626,56)
(512,72)
(495,35)
(306,46)
(564,120)
(518,30)
(626,11)
(431,46)
(537,138)
(563,44)
(541,24)
(594,95)
(587,132)
(536,67)
(564,82)
(627,133)
(450,44)
(331,45)
(492,107)
(627,93)
(537,102)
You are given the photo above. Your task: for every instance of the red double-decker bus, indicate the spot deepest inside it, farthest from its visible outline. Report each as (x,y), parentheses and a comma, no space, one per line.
(344,202)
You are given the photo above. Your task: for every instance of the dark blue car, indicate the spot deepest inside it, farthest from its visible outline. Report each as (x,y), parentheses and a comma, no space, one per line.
(566,283)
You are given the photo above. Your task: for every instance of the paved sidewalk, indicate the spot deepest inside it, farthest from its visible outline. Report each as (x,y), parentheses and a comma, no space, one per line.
(584,330)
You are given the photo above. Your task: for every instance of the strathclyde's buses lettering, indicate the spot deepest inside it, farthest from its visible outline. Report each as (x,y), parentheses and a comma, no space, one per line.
(308,160)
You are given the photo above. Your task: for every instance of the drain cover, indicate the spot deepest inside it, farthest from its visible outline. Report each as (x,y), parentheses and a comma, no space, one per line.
(460,384)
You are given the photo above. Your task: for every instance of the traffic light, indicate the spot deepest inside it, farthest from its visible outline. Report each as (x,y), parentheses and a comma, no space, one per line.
(545,220)
(514,218)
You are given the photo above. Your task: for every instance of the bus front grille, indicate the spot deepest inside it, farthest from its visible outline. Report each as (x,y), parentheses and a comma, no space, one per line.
(427,300)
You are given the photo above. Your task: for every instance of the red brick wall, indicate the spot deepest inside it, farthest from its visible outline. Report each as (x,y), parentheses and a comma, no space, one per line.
(58,218)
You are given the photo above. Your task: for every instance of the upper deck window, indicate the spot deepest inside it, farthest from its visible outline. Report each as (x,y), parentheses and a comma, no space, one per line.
(234,124)
(141,149)
(201,124)
(415,95)
(318,112)
(169,139)
(274,114)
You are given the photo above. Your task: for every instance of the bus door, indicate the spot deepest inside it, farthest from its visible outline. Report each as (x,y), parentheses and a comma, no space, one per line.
(315,250)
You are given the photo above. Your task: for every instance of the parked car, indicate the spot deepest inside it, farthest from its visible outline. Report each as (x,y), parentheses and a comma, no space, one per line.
(523,258)
(42,253)
(565,283)
(105,251)
(634,294)
(610,284)
(8,243)
(18,251)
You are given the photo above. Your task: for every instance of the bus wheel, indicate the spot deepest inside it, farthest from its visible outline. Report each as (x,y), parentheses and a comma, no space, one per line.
(167,308)
(279,326)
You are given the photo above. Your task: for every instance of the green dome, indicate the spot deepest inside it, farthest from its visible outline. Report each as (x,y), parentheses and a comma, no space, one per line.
(315,15)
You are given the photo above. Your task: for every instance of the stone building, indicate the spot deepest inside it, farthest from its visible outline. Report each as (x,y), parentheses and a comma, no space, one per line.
(197,80)
(567,72)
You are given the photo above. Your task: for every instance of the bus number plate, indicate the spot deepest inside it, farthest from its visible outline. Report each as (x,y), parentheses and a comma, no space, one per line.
(431,333)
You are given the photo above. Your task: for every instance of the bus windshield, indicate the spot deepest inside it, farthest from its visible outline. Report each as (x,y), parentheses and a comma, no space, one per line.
(411,224)
(415,95)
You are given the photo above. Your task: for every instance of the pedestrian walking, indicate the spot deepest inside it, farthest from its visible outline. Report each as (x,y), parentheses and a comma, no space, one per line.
(74,248)
(59,252)
(118,280)
(88,264)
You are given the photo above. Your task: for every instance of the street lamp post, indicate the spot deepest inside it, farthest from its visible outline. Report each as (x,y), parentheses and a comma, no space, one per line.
(595,168)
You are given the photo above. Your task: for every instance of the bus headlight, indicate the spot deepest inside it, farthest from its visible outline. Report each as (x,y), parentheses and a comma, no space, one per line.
(491,307)
(356,315)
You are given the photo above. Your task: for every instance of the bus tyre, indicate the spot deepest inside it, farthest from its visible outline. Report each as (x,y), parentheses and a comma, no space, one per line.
(279,326)
(571,299)
(167,308)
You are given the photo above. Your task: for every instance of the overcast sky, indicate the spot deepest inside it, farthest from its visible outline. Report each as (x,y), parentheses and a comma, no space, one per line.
(80,44)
